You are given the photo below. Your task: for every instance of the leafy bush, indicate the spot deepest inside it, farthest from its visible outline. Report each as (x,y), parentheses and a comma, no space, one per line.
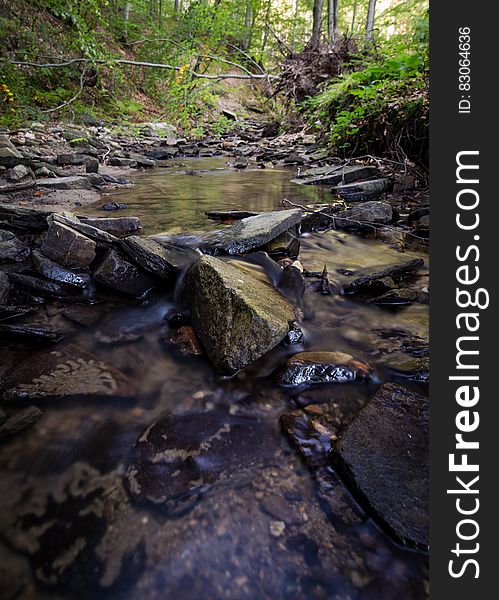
(381,109)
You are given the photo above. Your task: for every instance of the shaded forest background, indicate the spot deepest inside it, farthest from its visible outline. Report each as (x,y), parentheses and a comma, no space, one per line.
(356,71)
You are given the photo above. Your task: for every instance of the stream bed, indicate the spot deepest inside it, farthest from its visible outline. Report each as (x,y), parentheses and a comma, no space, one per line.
(276,520)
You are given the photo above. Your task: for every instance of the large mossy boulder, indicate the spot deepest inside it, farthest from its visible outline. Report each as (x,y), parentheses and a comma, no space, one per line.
(237,317)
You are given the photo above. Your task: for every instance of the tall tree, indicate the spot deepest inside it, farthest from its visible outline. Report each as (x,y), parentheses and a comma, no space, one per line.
(371,10)
(317,24)
(332,20)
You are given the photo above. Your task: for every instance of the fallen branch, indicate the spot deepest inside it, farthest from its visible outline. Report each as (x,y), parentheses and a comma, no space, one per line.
(136,63)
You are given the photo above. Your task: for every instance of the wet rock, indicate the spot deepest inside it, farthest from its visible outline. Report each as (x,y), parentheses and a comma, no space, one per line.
(83,314)
(371,282)
(229,215)
(237,317)
(335,175)
(68,372)
(40,287)
(363,214)
(141,161)
(150,255)
(117,226)
(22,219)
(363,191)
(116,161)
(163,154)
(384,454)
(27,333)
(286,244)
(398,297)
(103,238)
(18,173)
(179,457)
(68,247)
(16,423)
(110,206)
(4,288)
(241,163)
(322,367)
(12,249)
(122,276)
(323,219)
(53,271)
(73,182)
(253,232)
(187,341)
(292,285)
(295,334)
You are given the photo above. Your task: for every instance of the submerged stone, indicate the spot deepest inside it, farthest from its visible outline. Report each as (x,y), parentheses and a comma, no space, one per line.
(179,457)
(384,454)
(20,421)
(237,317)
(323,367)
(253,232)
(67,372)
(68,247)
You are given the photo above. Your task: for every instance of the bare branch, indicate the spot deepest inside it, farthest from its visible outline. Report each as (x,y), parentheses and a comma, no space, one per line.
(119,61)
(78,93)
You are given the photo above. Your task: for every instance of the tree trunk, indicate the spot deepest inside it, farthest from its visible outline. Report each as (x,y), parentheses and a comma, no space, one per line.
(371,10)
(317,26)
(295,22)
(354,14)
(332,20)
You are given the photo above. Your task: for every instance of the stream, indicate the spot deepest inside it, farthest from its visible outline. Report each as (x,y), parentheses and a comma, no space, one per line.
(279,524)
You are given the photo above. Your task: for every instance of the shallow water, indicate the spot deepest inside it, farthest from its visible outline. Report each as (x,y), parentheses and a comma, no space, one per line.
(63,478)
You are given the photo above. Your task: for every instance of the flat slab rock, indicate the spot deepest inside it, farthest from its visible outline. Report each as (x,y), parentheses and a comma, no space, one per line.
(23,219)
(65,373)
(149,255)
(73,182)
(375,280)
(359,191)
(335,175)
(323,367)
(180,456)
(118,226)
(68,247)
(237,317)
(383,452)
(363,214)
(253,232)
(53,271)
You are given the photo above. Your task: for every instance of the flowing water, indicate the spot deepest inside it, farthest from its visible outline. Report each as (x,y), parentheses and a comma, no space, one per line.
(68,511)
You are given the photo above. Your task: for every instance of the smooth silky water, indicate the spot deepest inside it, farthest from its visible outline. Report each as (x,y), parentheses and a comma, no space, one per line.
(198,547)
